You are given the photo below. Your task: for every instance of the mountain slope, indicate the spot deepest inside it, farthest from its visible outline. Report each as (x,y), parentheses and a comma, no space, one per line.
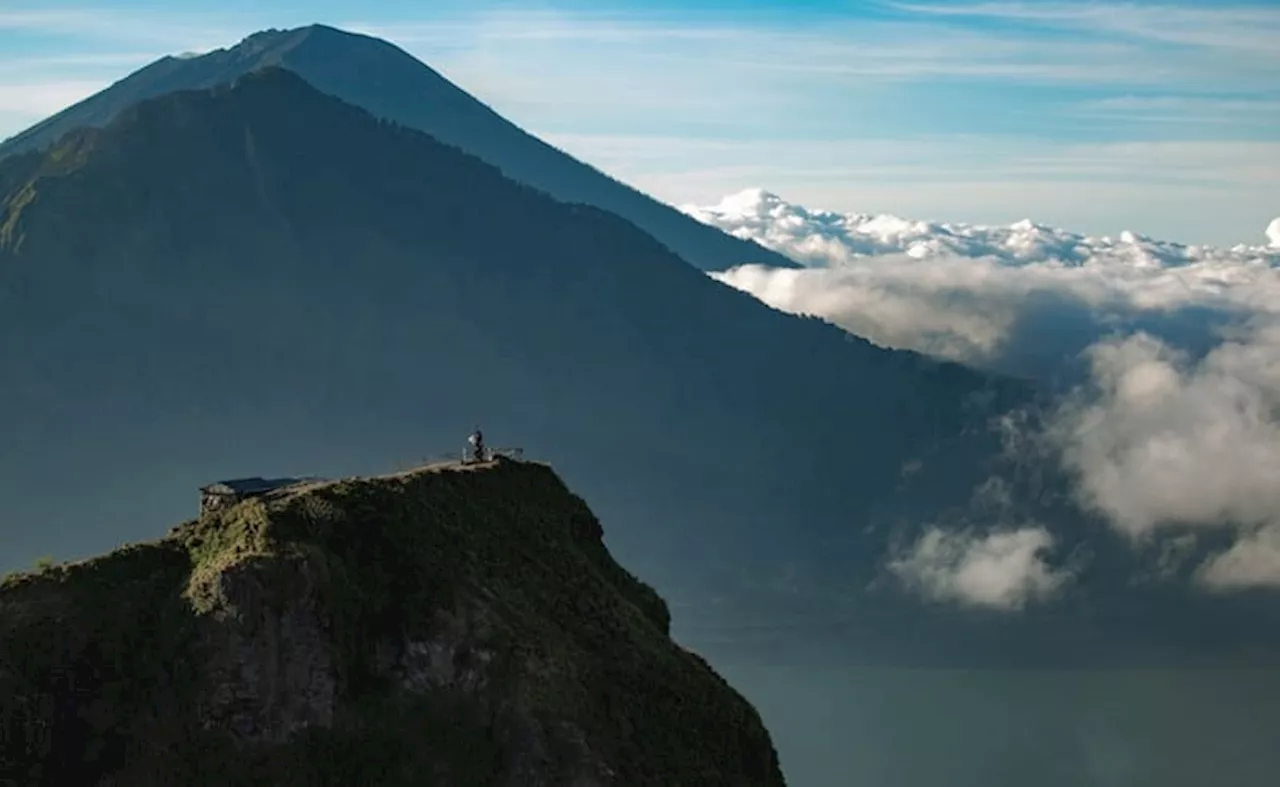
(266,273)
(387,81)
(260,279)
(453,625)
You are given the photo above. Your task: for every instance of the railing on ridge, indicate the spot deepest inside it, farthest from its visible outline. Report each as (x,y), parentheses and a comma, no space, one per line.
(466,456)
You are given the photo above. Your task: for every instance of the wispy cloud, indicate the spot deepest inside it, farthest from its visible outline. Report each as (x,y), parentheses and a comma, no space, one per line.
(1183,104)
(1248,28)
(39,99)
(853,50)
(33,65)
(108,26)
(507,26)
(1185,111)
(954,156)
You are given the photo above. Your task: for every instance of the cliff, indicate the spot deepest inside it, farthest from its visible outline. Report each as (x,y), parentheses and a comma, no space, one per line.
(447,626)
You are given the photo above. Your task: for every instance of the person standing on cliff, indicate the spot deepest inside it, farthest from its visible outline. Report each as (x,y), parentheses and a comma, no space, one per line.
(477,445)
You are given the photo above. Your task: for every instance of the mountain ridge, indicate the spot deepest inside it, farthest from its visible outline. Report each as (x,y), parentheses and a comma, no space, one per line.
(261,273)
(265,232)
(446,625)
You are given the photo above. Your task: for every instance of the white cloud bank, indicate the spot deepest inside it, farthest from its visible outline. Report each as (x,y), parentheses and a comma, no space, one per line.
(1161,441)
(1163,444)
(1253,561)
(1174,433)
(1003,570)
(959,290)
(822,238)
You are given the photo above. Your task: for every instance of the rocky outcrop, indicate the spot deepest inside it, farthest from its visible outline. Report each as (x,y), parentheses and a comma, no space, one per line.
(269,672)
(451,626)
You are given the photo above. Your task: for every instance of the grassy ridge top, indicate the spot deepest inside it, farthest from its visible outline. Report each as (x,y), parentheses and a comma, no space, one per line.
(113,654)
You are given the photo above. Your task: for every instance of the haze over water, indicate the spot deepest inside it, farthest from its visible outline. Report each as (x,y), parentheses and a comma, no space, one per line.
(877,727)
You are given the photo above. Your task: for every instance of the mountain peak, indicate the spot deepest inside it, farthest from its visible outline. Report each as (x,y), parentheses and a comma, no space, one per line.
(391,84)
(317,31)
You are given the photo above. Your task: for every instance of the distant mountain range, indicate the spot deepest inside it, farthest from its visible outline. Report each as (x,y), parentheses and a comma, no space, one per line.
(260,279)
(385,80)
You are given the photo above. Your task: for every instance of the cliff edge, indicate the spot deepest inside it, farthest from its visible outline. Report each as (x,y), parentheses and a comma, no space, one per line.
(447,626)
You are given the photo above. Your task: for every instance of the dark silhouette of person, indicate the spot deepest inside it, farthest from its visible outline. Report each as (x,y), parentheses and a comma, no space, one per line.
(477,445)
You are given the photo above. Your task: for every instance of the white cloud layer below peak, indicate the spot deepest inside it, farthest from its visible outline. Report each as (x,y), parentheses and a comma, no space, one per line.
(828,238)
(960,291)
(1171,420)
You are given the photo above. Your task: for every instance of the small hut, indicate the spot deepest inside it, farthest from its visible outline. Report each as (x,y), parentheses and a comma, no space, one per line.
(226,493)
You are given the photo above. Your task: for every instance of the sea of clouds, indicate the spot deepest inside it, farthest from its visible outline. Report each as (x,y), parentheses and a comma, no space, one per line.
(1165,357)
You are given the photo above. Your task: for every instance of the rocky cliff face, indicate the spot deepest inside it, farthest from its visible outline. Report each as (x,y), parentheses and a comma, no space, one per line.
(449,626)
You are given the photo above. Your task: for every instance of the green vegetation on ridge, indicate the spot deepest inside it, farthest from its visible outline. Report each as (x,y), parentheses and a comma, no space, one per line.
(107,676)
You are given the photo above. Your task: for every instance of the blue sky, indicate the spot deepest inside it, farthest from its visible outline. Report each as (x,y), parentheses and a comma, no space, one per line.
(1162,118)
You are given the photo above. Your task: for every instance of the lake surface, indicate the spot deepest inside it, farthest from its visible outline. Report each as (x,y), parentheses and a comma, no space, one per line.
(878,727)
